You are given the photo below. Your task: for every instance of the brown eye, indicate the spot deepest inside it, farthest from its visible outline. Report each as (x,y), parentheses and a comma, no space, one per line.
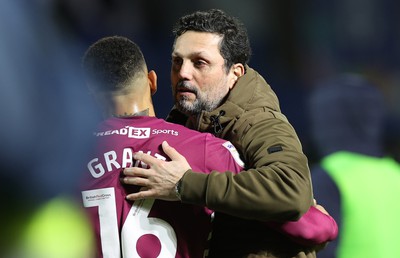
(199,63)
(176,61)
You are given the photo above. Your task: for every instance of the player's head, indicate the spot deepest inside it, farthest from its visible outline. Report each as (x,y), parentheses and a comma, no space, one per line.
(235,44)
(117,75)
(112,63)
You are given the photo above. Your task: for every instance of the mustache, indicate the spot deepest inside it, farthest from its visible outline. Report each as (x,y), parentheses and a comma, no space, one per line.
(185,86)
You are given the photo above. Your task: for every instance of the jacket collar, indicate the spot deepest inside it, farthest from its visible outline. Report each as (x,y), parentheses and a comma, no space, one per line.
(250,91)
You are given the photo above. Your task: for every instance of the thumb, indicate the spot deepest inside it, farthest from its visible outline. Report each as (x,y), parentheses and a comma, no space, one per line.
(171,152)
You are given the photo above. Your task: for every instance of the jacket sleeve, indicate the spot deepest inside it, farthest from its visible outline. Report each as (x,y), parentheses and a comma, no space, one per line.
(277,186)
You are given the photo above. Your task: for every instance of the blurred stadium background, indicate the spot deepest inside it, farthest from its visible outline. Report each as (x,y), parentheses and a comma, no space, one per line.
(46,112)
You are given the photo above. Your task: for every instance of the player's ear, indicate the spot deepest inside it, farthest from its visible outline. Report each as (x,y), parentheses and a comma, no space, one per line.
(152,81)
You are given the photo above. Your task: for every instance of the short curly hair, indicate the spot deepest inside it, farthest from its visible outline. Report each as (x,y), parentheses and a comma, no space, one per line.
(111,62)
(235,45)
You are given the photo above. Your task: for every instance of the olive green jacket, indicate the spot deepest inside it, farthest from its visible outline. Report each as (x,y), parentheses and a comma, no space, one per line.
(276,185)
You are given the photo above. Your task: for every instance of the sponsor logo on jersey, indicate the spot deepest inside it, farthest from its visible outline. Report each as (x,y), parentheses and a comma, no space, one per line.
(97,197)
(130,131)
(165,131)
(137,132)
(235,154)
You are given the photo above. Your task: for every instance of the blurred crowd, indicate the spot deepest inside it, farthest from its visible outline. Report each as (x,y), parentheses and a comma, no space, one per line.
(295,44)
(46,111)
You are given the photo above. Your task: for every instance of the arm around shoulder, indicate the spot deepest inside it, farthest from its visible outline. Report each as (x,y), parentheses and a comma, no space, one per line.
(276,187)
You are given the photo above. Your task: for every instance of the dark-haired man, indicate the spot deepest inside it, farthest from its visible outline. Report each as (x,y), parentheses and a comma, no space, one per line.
(216,91)
(118,77)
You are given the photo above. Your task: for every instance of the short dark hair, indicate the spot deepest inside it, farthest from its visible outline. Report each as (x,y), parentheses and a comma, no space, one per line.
(235,45)
(111,62)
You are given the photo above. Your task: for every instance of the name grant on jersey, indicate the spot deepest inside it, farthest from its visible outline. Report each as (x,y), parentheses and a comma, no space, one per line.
(98,169)
(136,132)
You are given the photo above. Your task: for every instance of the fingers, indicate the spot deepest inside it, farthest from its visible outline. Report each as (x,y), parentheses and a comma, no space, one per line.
(136,171)
(142,194)
(322,209)
(171,152)
(146,158)
(140,181)
(147,193)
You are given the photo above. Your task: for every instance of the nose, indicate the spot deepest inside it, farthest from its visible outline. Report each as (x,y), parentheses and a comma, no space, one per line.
(185,71)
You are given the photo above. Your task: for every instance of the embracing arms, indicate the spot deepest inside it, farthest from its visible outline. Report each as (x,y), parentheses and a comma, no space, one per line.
(315,227)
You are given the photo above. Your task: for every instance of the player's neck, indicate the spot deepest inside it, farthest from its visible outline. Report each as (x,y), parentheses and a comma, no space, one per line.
(127,107)
(145,112)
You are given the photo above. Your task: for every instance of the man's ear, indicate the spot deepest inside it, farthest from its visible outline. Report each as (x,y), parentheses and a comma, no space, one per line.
(237,71)
(152,76)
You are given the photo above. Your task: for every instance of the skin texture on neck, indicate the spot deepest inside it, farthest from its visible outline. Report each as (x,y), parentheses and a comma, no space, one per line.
(140,113)
(134,99)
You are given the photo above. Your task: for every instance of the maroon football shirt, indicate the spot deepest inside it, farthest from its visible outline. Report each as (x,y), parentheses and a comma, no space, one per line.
(149,228)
